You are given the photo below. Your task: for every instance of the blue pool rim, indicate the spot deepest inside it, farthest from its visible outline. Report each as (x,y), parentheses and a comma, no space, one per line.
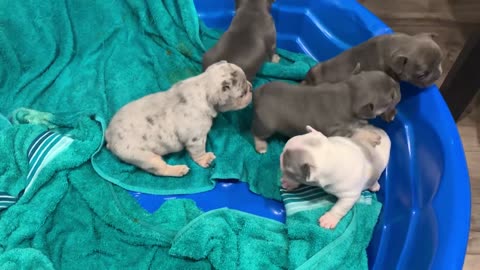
(436,231)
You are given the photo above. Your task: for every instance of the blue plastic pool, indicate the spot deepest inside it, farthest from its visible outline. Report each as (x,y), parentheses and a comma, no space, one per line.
(425,191)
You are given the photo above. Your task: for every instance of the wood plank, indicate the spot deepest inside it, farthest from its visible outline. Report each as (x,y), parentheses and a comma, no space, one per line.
(473,243)
(395,5)
(475,186)
(472,262)
(441,10)
(473,162)
(470,138)
(475,200)
(475,219)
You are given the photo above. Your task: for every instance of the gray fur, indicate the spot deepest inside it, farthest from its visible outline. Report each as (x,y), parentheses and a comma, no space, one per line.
(331,108)
(415,59)
(181,117)
(249,41)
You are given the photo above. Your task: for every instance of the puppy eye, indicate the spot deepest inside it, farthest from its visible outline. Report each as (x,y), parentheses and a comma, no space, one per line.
(370,106)
(423,75)
(225,88)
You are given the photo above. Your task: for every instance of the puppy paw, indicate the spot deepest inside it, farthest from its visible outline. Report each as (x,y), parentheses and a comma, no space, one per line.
(205,160)
(260,146)
(375,187)
(288,185)
(275,58)
(328,221)
(389,116)
(176,171)
(369,137)
(374,139)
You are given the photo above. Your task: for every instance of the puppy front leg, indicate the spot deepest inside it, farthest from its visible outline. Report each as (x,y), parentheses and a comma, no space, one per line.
(331,218)
(196,149)
(275,58)
(375,187)
(389,115)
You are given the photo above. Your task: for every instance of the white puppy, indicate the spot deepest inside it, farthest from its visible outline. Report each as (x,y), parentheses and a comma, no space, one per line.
(342,166)
(144,130)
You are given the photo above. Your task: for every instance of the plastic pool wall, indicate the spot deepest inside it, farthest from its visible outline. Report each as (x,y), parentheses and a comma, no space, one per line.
(425,192)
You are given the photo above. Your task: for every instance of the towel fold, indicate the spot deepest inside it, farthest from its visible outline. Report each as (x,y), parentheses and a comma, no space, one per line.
(312,247)
(68,66)
(91,58)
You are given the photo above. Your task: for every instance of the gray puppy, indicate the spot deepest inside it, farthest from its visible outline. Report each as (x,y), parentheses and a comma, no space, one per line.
(331,108)
(414,59)
(143,131)
(249,41)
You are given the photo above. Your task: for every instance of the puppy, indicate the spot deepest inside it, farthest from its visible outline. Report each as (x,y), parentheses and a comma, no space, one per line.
(414,59)
(143,131)
(343,167)
(331,108)
(249,41)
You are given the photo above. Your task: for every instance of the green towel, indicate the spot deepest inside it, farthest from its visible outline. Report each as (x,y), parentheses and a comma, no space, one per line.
(92,57)
(345,247)
(67,66)
(68,217)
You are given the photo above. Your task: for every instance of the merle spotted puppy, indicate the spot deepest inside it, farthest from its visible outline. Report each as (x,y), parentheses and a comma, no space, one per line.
(143,131)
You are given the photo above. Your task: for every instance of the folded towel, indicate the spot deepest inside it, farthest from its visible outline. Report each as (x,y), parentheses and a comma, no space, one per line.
(312,247)
(69,65)
(69,217)
(92,57)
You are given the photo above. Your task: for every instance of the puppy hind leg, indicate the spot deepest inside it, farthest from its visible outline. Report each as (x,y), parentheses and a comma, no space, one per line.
(155,164)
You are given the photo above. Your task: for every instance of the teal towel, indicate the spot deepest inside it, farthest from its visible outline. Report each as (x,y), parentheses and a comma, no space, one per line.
(92,57)
(67,66)
(68,217)
(345,247)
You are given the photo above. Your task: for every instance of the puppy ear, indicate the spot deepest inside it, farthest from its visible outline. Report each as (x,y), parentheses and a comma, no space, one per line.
(357,69)
(318,134)
(366,111)
(305,171)
(310,129)
(398,63)
(298,162)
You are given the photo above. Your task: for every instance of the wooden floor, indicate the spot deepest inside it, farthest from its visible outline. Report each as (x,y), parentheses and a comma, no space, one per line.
(469,128)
